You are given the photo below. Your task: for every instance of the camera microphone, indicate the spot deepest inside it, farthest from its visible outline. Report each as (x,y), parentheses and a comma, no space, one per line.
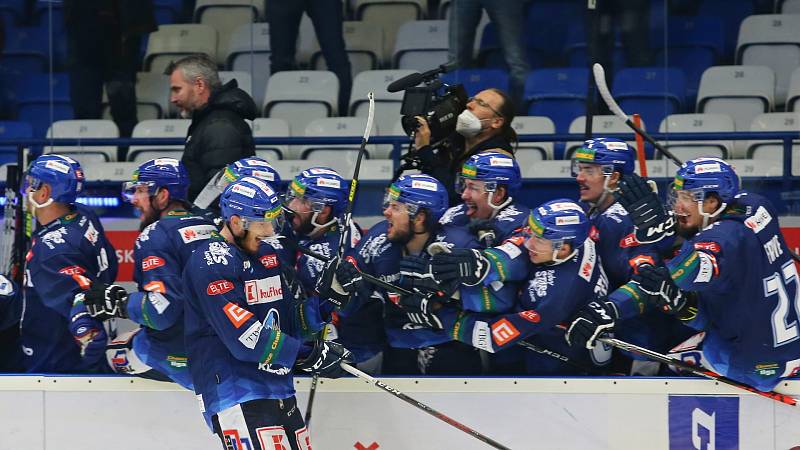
(414,79)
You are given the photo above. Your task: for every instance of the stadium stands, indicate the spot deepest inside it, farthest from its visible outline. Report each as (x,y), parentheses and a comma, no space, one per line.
(702,123)
(771,40)
(84,129)
(176,128)
(300,96)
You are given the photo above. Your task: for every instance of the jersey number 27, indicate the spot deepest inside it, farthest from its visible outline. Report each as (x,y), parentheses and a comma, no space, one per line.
(784,331)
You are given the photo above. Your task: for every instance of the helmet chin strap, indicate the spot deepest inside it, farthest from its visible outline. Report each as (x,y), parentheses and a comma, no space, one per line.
(319,229)
(708,216)
(37,205)
(604,195)
(556,260)
(496,208)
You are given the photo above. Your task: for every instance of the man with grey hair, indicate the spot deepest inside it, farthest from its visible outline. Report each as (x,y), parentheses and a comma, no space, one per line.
(218,134)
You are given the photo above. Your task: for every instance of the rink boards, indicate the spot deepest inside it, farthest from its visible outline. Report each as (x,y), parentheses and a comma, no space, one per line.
(87,413)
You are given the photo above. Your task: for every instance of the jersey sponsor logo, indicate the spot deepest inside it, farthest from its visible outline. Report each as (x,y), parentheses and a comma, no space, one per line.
(327,182)
(480,336)
(264,290)
(232,439)
(568,220)
(57,166)
(76,273)
(503,331)
(588,261)
(508,214)
(594,233)
(422,184)
(501,162)
(196,233)
(51,238)
(759,220)
(531,316)
(236,314)
(250,336)
(91,234)
(564,206)
(542,279)
(219,287)
(710,246)
(510,249)
(159,302)
(516,240)
(217,253)
(628,241)
(155,286)
(72,270)
(705,268)
(244,190)
(273,438)
(152,262)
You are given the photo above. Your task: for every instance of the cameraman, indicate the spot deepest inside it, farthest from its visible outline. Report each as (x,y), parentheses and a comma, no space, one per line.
(484,125)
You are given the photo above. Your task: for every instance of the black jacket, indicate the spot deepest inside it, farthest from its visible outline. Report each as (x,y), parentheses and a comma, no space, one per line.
(445,163)
(218,135)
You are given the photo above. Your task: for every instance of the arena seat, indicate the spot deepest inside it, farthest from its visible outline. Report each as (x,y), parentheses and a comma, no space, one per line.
(243,79)
(337,126)
(35,104)
(177,128)
(387,104)
(79,129)
(652,92)
(793,96)
(601,125)
(697,123)
(10,129)
(773,150)
(476,80)
(771,40)
(225,16)
(389,15)
(300,96)
(558,93)
(421,45)
(249,51)
(364,46)
(172,42)
(533,151)
(271,127)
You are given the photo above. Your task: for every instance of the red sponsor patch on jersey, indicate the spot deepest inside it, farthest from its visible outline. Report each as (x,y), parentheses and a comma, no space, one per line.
(710,246)
(72,270)
(503,331)
(155,286)
(639,260)
(219,287)
(628,241)
(151,262)
(269,261)
(531,316)
(236,314)
(586,269)
(594,233)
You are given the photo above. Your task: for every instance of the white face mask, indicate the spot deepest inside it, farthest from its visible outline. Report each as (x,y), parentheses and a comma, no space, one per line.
(468,125)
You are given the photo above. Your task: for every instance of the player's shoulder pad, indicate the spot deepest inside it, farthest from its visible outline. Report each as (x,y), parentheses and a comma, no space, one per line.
(510,218)
(375,243)
(456,215)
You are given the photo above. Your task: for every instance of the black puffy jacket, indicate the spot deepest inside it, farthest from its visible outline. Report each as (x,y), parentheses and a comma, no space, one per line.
(218,135)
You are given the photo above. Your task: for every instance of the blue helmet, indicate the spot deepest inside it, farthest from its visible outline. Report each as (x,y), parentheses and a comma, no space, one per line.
(160,173)
(321,186)
(702,176)
(617,155)
(493,168)
(252,166)
(419,191)
(62,173)
(253,200)
(561,221)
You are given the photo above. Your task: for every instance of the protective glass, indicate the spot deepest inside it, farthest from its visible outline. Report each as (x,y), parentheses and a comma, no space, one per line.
(307,203)
(535,242)
(274,217)
(590,169)
(473,185)
(390,201)
(684,196)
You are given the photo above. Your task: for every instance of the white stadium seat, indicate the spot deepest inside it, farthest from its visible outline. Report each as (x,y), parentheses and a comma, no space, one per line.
(697,123)
(421,45)
(387,104)
(771,40)
(300,96)
(773,150)
(600,125)
(389,15)
(337,126)
(793,97)
(528,152)
(271,127)
(171,42)
(225,16)
(243,79)
(364,43)
(249,51)
(84,129)
(177,128)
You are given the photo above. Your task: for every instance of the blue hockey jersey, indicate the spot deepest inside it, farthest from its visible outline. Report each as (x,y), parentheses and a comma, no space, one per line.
(160,253)
(66,257)
(242,333)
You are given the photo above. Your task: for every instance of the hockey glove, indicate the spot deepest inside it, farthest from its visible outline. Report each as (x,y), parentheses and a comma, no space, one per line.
(468,266)
(325,359)
(7,287)
(105,301)
(485,232)
(416,275)
(657,284)
(652,220)
(594,320)
(420,310)
(338,281)
(89,334)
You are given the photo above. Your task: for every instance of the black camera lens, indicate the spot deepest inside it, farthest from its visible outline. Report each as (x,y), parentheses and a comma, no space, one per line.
(410,124)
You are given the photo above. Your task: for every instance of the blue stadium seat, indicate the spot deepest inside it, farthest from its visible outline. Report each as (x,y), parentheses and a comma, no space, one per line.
(694,44)
(10,130)
(652,92)
(26,48)
(490,54)
(13,11)
(165,15)
(731,13)
(10,76)
(547,23)
(41,15)
(35,106)
(576,49)
(559,94)
(476,80)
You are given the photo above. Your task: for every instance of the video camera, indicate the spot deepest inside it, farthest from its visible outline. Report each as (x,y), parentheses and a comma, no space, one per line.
(439,103)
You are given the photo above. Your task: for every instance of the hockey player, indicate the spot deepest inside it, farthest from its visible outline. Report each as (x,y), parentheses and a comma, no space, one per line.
(565,275)
(243,334)
(708,285)
(412,207)
(69,252)
(315,200)
(598,167)
(252,166)
(169,233)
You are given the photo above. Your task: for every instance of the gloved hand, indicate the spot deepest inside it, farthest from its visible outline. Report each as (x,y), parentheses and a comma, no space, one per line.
(468,266)
(105,301)
(595,319)
(89,334)
(485,232)
(415,275)
(657,284)
(652,220)
(325,359)
(420,310)
(7,287)
(338,281)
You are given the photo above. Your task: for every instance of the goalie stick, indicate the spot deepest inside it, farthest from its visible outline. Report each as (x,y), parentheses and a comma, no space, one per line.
(381,385)
(345,231)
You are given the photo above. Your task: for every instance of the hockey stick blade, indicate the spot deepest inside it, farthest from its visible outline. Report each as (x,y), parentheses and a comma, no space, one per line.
(602,87)
(378,383)
(697,370)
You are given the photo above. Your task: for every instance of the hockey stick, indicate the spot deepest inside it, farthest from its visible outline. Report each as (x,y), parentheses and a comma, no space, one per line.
(10,227)
(697,370)
(378,383)
(602,87)
(345,231)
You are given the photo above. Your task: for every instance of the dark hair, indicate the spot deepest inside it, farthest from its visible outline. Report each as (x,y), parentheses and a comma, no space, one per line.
(506,111)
